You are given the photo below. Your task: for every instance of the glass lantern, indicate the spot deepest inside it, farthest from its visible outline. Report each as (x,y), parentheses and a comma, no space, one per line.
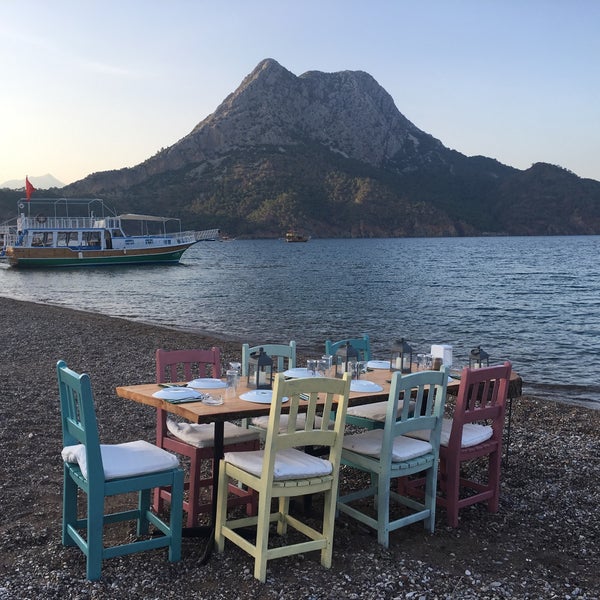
(260,370)
(478,358)
(344,355)
(401,356)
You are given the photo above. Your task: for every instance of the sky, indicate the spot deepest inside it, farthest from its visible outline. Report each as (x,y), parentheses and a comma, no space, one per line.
(89,85)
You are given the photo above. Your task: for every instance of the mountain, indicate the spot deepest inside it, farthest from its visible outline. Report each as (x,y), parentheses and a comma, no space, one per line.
(331,154)
(43,182)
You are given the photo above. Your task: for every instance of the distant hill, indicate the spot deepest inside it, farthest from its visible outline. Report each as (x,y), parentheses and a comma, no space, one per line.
(42,182)
(329,153)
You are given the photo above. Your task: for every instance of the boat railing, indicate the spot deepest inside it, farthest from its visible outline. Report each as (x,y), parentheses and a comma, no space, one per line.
(44,222)
(205,236)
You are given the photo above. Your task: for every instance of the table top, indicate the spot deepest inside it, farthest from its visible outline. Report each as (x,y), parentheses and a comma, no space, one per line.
(236,408)
(232,408)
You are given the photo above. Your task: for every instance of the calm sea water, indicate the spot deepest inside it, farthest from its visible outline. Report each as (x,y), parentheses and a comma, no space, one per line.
(534,301)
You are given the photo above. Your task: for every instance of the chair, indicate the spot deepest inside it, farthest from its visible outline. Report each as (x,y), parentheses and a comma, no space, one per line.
(196,441)
(284,357)
(362,344)
(108,470)
(475,431)
(282,471)
(387,454)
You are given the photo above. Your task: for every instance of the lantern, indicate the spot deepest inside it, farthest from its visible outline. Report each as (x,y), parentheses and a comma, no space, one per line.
(344,355)
(260,370)
(401,357)
(478,358)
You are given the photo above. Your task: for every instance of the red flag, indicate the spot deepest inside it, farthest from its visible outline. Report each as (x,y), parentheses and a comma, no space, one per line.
(29,189)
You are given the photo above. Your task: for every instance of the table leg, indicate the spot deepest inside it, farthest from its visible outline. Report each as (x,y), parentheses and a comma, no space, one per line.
(506,449)
(208,531)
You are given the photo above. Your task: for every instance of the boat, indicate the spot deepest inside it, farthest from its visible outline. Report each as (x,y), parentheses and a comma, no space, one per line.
(85,232)
(294,236)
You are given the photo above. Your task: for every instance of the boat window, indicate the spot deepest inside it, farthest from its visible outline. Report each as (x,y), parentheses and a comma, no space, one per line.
(67,239)
(91,238)
(117,233)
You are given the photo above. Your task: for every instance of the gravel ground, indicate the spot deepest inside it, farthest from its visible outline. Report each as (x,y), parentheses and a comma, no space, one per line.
(543,543)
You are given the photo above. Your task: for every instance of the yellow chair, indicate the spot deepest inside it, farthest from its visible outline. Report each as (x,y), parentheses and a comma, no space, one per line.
(282,471)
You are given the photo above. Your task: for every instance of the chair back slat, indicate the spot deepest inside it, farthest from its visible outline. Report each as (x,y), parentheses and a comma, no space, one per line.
(283,355)
(185,365)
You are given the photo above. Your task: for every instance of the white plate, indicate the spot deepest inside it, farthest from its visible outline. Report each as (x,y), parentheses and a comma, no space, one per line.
(177,393)
(260,396)
(364,385)
(207,383)
(378,364)
(298,373)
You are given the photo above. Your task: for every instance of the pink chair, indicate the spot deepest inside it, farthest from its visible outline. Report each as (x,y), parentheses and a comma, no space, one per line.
(475,431)
(196,441)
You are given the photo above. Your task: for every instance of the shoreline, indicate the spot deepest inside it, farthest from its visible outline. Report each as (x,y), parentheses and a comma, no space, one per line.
(229,341)
(542,543)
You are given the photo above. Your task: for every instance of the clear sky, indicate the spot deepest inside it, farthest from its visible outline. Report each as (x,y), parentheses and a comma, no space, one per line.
(90,85)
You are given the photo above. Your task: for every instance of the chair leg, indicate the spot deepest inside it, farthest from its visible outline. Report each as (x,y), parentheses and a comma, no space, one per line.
(193,491)
(69,507)
(495,460)
(451,482)
(95,530)
(221,515)
(262,536)
(176,522)
(329,508)
(143,507)
(383,510)
(284,510)
(430,497)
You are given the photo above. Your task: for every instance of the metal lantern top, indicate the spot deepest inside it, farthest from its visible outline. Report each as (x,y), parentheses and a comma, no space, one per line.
(345,354)
(479,358)
(401,356)
(261,373)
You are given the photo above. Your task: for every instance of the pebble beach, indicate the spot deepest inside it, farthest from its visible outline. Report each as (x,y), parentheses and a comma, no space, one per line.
(543,543)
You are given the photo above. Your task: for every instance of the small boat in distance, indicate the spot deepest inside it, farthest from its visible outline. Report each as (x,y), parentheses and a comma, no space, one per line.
(294,236)
(85,232)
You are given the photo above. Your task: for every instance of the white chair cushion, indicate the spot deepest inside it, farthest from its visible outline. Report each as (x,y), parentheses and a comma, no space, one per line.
(203,435)
(369,443)
(124,460)
(473,434)
(263,422)
(375,411)
(289,464)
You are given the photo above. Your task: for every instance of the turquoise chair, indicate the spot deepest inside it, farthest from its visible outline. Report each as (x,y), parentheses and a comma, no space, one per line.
(362,344)
(108,470)
(388,453)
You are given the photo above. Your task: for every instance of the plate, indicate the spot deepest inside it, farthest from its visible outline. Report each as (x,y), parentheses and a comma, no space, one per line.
(378,364)
(260,396)
(177,393)
(298,373)
(364,385)
(207,383)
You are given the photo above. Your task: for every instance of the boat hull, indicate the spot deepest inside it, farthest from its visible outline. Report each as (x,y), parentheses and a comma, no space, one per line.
(63,257)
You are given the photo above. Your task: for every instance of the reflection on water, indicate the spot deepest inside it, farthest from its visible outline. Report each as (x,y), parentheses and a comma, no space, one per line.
(530,300)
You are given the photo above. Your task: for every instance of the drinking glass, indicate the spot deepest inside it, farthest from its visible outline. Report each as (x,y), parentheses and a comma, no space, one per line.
(351,368)
(328,358)
(311,366)
(361,368)
(231,383)
(322,367)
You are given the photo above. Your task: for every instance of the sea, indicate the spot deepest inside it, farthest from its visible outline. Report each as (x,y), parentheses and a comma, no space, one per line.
(532,300)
